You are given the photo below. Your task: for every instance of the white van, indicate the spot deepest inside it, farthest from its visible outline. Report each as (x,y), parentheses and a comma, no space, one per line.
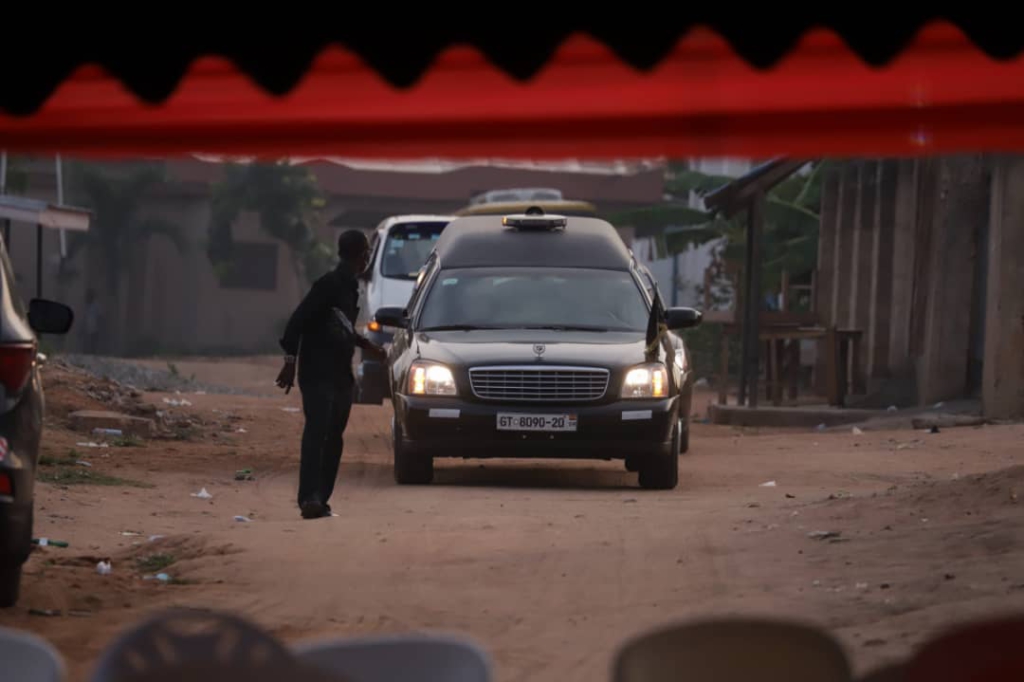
(400,245)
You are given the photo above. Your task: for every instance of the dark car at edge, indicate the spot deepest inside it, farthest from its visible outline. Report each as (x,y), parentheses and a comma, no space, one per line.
(21,419)
(538,336)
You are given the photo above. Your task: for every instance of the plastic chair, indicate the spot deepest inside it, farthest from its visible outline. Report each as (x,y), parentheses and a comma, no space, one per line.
(28,658)
(988,651)
(741,650)
(416,658)
(185,638)
(889,673)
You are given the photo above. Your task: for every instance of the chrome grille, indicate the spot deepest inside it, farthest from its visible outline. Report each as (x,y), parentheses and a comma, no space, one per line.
(538,384)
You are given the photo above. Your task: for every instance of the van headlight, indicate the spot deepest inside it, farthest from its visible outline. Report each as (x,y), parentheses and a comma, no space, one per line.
(430,378)
(646,381)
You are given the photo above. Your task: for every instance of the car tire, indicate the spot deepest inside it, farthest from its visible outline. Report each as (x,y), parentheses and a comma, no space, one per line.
(632,465)
(10,585)
(684,439)
(410,468)
(662,473)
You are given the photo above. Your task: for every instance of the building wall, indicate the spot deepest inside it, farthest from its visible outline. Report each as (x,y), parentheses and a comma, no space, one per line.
(928,235)
(172,301)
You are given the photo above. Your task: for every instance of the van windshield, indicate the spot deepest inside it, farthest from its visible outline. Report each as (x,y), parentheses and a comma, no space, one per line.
(407,247)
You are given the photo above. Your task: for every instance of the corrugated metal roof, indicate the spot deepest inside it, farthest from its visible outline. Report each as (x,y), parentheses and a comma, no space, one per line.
(36,212)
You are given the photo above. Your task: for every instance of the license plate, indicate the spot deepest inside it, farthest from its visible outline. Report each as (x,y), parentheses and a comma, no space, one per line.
(536,422)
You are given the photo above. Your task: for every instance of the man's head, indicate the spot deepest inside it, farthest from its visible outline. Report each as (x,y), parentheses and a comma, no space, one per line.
(354,249)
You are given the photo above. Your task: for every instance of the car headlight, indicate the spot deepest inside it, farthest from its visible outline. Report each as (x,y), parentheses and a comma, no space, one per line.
(646,381)
(428,378)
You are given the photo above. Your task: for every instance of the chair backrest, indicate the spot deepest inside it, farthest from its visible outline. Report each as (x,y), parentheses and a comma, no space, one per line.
(985,651)
(896,672)
(185,637)
(398,658)
(740,650)
(28,658)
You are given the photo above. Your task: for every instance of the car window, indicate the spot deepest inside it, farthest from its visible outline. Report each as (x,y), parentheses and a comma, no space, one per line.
(8,283)
(407,247)
(421,278)
(535,297)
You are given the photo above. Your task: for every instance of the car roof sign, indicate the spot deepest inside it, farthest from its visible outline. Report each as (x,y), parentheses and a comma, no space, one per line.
(534,219)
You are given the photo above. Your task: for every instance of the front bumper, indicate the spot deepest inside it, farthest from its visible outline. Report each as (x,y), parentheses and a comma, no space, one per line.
(450,427)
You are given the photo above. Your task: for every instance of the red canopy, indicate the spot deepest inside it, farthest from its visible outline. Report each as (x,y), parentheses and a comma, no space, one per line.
(940,94)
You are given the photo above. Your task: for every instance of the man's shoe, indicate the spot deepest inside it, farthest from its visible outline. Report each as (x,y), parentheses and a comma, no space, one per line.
(312,509)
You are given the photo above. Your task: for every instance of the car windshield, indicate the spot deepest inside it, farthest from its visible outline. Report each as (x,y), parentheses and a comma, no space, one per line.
(531,298)
(407,248)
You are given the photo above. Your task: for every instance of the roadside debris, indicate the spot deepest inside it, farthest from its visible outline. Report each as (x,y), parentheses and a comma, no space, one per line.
(243,519)
(90,444)
(107,432)
(824,534)
(857,432)
(176,402)
(203,494)
(290,409)
(244,475)
(767,484)
(49,613)
(162,577)
(47,542)
(104,568)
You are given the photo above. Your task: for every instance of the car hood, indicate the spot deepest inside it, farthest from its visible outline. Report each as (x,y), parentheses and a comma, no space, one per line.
(516,347)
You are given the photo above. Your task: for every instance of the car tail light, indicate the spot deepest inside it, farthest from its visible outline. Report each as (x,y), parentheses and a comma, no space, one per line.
(16,365)
(6,489)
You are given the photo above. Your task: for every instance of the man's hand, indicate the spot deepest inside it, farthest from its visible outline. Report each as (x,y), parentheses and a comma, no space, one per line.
(372,351)
(286,378)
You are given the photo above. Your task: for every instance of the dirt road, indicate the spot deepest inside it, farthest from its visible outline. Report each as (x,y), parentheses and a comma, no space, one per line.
(550,566)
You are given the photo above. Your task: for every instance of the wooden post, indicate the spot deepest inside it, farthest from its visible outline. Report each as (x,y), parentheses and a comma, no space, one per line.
(723,377)
(793,351)
(832,366)
(752,308)
(785,291)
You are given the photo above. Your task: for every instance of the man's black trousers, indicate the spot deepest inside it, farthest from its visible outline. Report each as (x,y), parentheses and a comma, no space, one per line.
(326,406)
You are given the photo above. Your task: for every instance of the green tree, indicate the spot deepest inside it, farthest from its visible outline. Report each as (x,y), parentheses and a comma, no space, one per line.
(790,237)
(287,200)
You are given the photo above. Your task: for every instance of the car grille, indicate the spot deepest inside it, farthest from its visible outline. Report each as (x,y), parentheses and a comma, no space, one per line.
(541,384)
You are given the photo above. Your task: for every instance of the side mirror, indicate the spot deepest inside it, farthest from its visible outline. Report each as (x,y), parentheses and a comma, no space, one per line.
(682,318)
(49,317)
(392,316)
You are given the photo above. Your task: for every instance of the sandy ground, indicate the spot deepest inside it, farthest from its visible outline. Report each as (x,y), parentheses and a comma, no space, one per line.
(551,566)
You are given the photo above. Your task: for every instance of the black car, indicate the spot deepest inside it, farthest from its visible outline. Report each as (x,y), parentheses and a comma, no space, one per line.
(21,419)
(538,336)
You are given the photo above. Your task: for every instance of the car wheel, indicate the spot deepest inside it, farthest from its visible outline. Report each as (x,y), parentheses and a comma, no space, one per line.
(632,465)
(684,439)
(662,473)
(410,469)
(10,585)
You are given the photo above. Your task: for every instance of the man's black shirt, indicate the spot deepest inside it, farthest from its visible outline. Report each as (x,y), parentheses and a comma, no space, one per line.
(324,356)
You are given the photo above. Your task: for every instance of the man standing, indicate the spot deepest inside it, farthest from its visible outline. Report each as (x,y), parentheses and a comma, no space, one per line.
(321,332)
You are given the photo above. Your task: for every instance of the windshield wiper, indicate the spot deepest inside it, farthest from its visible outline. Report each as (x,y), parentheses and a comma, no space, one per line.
(567,328)
(457,328)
